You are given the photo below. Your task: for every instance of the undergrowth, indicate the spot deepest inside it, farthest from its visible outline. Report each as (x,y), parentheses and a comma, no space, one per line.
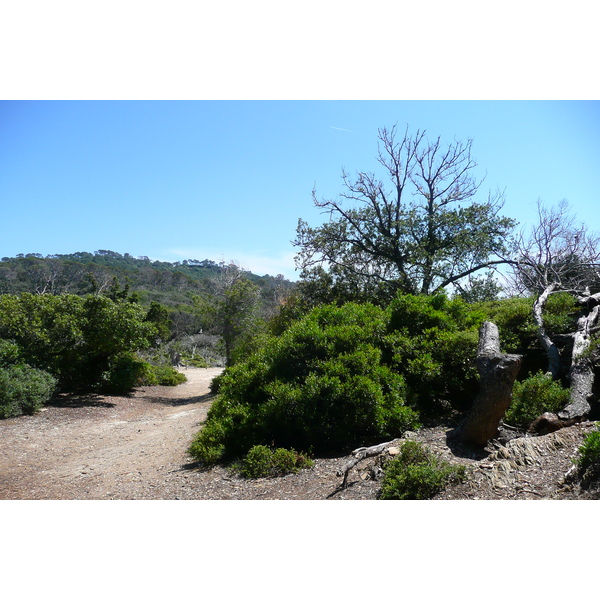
(262,461)
(417,474)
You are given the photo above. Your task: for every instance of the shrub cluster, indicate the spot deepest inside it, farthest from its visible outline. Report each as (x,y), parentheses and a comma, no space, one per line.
(433,343)
(85,343)
(261,461)
(417,474)
(23,389)
(161,375)
(534,396)
(322,385)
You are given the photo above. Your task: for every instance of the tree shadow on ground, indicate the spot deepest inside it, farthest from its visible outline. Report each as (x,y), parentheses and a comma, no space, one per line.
(465,450)
(180,401)
(79,401)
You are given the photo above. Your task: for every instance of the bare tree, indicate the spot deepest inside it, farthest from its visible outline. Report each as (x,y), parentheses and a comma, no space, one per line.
(419,229)
(560,255)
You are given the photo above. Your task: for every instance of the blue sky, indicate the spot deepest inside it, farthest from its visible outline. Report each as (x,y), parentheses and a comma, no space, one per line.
(228,180)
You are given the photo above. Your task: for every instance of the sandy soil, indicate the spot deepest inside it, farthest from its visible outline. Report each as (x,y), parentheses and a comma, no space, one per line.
(104,447)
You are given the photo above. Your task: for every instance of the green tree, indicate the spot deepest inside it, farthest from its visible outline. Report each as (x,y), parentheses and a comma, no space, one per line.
(236,311)
(420,232)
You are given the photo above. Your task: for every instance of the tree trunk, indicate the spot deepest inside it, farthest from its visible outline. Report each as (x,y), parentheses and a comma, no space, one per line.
(547,344)
(497,374)
(582,372)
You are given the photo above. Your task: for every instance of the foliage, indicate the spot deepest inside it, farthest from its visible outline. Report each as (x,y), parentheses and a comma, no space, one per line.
(78,340)
(534,396)
(189,291)
(261,461)
(161,375)
(23,389)
(560,313)
(238,319)
(417,474)
(418,232)
(10,353)
(433,344)
(320,386)
(514,319)
(158,315)
(588,461)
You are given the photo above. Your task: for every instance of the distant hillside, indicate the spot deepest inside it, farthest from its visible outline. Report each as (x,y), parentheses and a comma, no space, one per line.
(85,272)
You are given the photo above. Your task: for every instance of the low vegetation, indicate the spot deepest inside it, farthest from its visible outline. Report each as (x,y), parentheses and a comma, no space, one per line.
(534,396)
(417,474)
(324,384)
(588,461)
(261,461)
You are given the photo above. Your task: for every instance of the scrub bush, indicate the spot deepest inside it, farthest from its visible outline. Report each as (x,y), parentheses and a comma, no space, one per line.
(24,390)
(261,461)
(417,474)
(433,343)
(322,385)
(85,343)
(588,461)
(534,396)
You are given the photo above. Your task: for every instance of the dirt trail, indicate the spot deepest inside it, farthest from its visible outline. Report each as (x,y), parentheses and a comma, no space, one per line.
(135,448)
(105,447)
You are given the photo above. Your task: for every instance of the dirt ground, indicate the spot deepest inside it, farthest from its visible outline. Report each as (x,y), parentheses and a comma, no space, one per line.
(134,448)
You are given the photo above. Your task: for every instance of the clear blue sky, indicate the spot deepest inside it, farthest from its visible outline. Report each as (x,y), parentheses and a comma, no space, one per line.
(229,179)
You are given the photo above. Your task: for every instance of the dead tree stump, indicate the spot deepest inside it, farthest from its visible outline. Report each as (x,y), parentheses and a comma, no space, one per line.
(497,374)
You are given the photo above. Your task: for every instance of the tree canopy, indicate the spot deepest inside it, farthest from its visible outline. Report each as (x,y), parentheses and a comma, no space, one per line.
(418,231)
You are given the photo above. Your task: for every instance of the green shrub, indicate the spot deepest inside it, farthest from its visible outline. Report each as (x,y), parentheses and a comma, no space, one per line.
(432,342)
(10,353)
(124,372)
(588,461)
(321,385)
(261,461)
(161,375)
(417,474)
(80,341)
(534,396)
(24,390)
(197,362)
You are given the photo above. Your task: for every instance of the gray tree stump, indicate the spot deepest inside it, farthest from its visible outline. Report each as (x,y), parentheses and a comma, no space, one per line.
(497,373)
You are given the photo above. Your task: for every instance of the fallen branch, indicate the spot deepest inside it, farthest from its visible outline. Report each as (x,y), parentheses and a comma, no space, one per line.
(360,454)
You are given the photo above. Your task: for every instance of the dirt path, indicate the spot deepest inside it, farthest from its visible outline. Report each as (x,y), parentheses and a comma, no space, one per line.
(135,448)
(105,447)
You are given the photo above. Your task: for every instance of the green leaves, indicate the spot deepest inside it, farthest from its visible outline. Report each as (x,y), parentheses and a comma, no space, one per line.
(320,386)
(417,474)
(76,339)
(420,235)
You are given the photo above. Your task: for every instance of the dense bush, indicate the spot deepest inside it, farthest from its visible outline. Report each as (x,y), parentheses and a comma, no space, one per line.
(261,461)
(588,461)
(417,474)
(160,375)
(10,353)
(321,385)
(80,341)
(534,396)
(23,390)
(433,344)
